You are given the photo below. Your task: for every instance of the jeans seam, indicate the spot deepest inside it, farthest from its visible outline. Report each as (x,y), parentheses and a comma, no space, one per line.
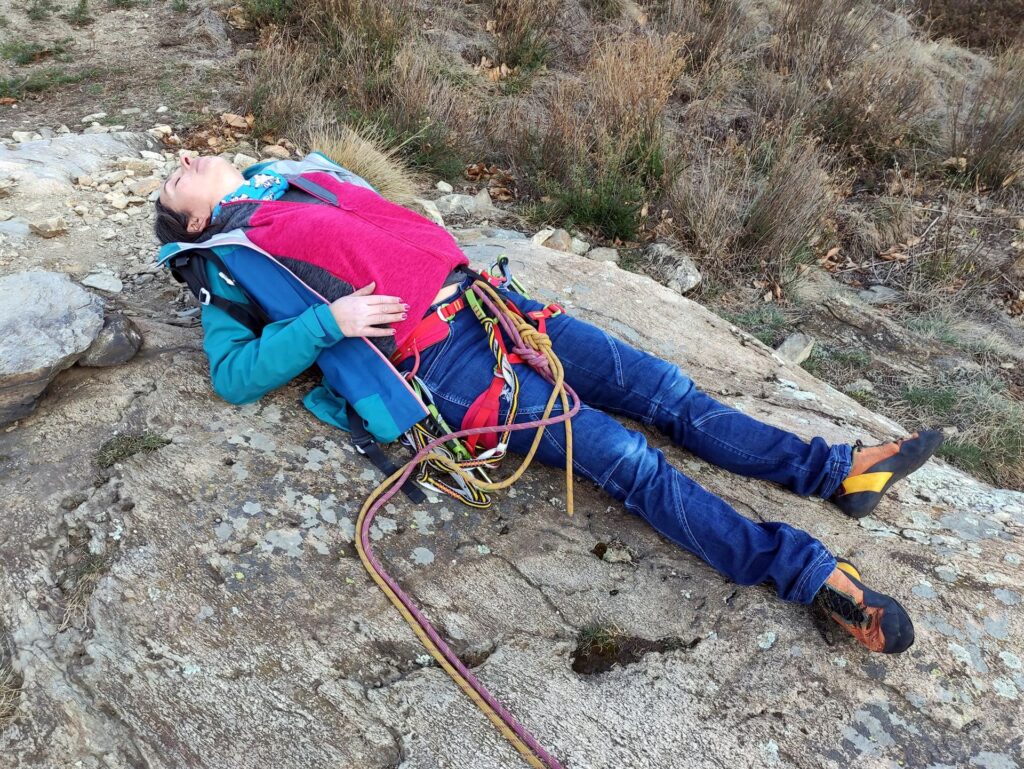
(801,468)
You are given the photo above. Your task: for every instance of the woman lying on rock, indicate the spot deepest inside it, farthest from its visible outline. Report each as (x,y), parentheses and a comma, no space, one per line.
(406,267)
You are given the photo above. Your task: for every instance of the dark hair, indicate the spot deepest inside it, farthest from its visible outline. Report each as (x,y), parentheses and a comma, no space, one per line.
(172,226)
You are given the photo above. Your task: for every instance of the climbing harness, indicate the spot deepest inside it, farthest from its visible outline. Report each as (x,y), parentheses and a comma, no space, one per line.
(526,344)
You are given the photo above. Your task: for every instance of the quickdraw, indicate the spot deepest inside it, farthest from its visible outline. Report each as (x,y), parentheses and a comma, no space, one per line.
(442,455)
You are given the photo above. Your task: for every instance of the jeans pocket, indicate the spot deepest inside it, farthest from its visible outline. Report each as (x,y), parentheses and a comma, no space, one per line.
(432,356)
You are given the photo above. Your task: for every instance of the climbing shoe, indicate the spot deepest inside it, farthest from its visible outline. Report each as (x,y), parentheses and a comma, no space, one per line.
(876,468)
(875,620)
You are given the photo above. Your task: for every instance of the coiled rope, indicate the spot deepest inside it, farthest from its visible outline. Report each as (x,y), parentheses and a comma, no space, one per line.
(535,349)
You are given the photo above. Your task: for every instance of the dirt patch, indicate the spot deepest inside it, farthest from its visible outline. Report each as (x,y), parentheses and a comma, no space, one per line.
(599,649)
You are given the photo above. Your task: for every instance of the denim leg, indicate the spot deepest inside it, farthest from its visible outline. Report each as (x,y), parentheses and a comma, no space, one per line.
(614,376)
(621,462)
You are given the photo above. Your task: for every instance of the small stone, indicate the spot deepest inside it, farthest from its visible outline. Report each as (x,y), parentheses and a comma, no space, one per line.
(94,117)
(445,187)
(484,204)
(131,110)
(672,267)
(580,246)
(796,348)
(602,254)
(85,181)
(242,161)
(542,235)
(143,187)
(276,151)
(25,136)
(879,295)
(96,128)
(108,234)
(6,185)
(861,386)
(430,210)
(114,177)
(49,228)
(5,215)
(63,129)
(559,240)
(103,282)
(161,109)
(118,200)
(148,155)
(117,343)
(456,204)
(766,640)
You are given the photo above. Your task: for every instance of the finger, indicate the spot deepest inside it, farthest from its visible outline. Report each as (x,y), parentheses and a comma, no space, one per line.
(367,289)
(378,318)
(383,299)
(372,331)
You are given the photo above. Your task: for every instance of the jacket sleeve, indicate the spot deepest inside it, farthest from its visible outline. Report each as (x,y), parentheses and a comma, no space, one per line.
(243,366)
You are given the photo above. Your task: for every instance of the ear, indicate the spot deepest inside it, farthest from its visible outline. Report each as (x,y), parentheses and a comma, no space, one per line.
(197,224)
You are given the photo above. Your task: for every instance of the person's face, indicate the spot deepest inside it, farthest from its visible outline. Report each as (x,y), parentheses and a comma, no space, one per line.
(197,186)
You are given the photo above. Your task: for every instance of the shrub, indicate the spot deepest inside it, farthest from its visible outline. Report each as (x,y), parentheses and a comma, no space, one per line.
(601,153)
(520,27)
(987,124)
(879,105)
(284,94)
(992,24)
(788,209)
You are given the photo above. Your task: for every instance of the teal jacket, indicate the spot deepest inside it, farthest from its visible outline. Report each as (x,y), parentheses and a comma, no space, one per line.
(244,367)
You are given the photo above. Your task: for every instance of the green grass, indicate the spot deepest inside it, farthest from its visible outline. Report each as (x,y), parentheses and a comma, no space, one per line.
(43,80)
(124,446)
(264,12)
(22,52)
(836,364)
(766,322)
(79,15)
(40,10)
(179,6)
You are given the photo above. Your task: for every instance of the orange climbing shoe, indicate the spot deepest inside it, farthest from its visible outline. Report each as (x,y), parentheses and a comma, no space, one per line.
(876,468)
(877,621)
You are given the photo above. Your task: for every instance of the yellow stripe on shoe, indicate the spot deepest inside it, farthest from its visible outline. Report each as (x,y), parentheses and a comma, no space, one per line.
(848,567)
(866,482)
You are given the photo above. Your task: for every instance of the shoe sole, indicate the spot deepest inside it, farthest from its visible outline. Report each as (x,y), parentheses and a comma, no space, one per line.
(859,504)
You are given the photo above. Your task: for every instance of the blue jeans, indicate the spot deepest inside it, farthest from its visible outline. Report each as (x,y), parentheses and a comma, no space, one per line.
(611,377)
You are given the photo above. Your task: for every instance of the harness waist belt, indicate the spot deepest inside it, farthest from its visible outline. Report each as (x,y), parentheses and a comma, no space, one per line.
(431,330)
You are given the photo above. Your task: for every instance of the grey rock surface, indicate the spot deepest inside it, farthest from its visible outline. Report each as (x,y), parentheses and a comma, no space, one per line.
(116,343)
(603,254)
(672,267)
(46,323)
(200,605)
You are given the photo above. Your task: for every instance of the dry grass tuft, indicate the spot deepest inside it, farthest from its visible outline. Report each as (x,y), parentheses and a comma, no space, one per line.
(885,101)
(987,124)
(366,154)
(283,93)
(10,693)
(787,211)
(601,152)
(520,26)
(83,579)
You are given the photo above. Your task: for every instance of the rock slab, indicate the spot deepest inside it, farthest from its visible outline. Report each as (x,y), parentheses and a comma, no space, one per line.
(46,324)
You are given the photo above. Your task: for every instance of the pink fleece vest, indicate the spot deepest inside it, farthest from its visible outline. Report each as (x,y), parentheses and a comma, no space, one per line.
(365,238)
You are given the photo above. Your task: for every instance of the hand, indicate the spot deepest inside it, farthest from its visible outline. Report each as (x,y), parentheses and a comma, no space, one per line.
(359,313)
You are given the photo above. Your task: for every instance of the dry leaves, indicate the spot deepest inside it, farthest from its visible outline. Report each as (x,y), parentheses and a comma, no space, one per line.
(493,71)
(218,136)
(237,17)
(1015,303)
(500,184)
(7,101)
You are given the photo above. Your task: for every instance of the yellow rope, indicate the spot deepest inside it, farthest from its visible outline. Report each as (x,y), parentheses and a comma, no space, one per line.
(540,342)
